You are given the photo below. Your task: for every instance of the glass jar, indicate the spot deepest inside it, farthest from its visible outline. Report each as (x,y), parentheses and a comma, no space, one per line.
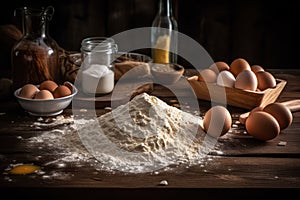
(164,34)
(98,50)
(97,74)
(35,57)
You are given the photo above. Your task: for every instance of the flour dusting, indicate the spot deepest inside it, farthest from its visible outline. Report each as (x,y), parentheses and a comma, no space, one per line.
(143,135)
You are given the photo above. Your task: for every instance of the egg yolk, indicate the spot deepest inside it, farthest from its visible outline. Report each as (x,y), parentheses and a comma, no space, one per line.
(24,169)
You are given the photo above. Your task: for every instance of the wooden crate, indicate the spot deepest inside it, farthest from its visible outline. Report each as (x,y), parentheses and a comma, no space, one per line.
(234,96)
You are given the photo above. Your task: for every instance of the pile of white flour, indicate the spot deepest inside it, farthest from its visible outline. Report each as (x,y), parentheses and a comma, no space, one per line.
(144,135)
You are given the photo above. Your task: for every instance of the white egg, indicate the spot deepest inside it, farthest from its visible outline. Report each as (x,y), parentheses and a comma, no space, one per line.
(226,78)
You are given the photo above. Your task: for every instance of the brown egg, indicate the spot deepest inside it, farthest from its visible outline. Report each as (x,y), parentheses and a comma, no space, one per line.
(208,76)
(265,80)
(239,65)
(258,108)
(257,68)
(217,121)
(262,126)
(61,91)
(281,113)
(28,91)
(43,94)
(219,66)
(243,117)
(246,80)
(48,85)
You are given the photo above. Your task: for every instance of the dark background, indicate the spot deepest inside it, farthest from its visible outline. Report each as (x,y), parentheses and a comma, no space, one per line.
(263,33)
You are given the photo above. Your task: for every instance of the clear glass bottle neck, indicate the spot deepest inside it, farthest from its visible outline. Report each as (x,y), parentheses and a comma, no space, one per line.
(165,8)
(35,20)
(35,25)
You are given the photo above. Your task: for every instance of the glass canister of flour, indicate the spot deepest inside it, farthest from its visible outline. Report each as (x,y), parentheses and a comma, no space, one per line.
(97,74)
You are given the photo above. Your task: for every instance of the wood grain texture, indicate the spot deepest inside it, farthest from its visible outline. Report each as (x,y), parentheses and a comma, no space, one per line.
(239,164)
(237,97)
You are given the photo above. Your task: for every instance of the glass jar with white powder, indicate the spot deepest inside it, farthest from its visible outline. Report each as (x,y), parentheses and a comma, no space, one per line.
(97,75)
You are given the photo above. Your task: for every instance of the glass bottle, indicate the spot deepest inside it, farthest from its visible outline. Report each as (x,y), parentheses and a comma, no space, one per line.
(35,57)
(164,34)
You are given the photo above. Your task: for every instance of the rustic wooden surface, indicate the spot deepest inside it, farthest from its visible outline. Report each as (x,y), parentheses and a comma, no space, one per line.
(246,169)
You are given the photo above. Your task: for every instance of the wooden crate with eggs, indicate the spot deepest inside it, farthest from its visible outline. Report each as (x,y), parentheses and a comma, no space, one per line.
(237,84)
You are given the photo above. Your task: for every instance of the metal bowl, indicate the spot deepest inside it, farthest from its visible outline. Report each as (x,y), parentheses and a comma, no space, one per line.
(47,107)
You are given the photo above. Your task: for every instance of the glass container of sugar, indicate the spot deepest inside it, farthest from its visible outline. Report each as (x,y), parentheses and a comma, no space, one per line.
(96,73)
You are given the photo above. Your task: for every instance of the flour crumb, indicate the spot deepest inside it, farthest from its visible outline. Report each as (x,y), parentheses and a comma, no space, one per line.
(163,183)
(282,143)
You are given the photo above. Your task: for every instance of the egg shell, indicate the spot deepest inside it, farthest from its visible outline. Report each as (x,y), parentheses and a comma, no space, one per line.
(208,76)
(48,85)
(28,91)
(217,121)
(43,94)
(238,65)
(61,91)
(257,68)
(281,113)
(265,80)
(262,126)
(219,66)
(226,79)
(246,80)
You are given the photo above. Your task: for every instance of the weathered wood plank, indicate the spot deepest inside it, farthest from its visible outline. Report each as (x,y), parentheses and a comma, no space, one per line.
(238,160)
(217,172)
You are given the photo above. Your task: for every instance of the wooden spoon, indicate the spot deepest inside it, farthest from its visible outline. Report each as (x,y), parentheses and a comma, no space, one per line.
(293,105)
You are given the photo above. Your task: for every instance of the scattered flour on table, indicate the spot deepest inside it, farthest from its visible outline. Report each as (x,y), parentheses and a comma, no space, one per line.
(144,135)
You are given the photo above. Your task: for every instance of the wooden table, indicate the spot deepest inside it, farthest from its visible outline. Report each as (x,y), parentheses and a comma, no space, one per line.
(246,168)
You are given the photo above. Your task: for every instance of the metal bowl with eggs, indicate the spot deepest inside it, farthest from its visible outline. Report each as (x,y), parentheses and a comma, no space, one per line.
(41,102)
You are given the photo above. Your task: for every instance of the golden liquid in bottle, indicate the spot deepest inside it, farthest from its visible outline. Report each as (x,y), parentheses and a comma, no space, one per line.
(161,49)
(161,56)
